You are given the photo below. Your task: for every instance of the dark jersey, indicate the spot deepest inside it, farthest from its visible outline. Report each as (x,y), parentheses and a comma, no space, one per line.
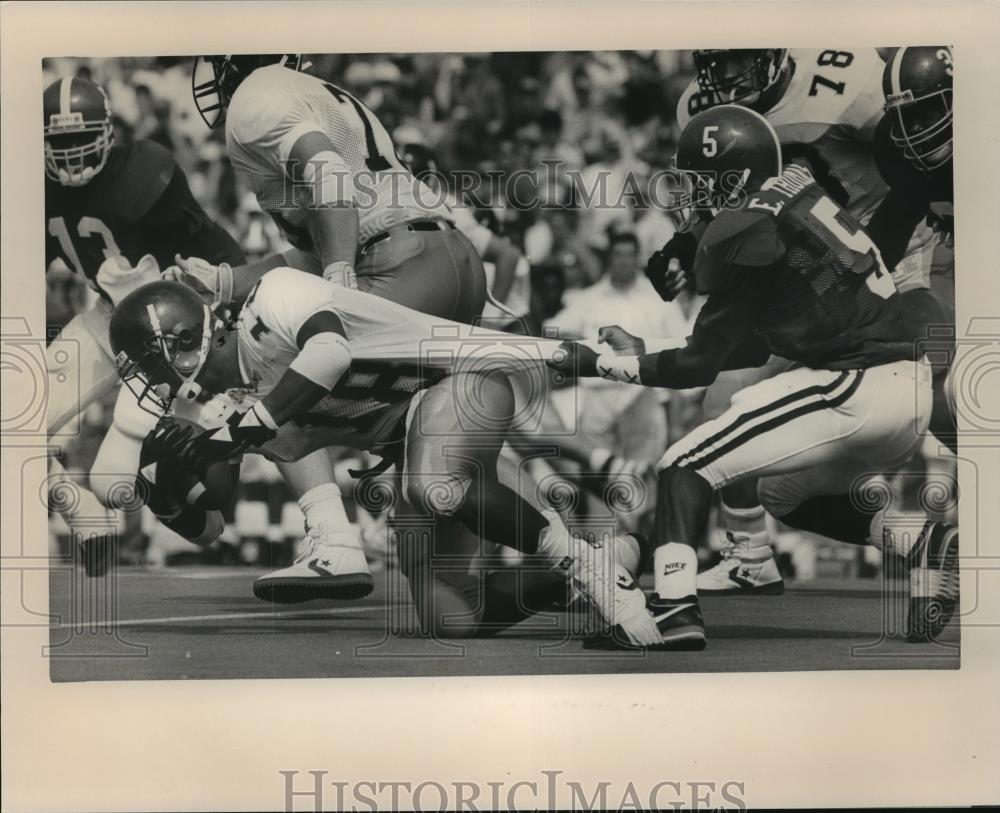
(139,204)
(913,195)
(795,270)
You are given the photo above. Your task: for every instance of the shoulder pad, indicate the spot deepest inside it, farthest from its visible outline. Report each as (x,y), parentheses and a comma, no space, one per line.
(735,239)
(261,103)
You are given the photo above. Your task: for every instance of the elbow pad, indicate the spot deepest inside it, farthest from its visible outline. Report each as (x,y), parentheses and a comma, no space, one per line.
(331,180)
(323,359)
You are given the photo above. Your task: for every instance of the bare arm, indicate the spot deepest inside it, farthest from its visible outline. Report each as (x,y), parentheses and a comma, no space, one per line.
(333,217)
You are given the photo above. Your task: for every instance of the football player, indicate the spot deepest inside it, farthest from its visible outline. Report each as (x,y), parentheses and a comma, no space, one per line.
(115,214)
(824,106)
(913,146)
(313,365)
(787,272)
(326,170)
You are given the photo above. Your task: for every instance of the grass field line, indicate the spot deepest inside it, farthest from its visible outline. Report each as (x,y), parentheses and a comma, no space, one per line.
(177,619)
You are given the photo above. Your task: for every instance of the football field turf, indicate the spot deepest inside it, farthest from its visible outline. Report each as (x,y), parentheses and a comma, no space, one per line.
(203,622)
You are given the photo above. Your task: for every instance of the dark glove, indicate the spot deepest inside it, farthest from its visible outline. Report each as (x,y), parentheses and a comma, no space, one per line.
(167,440)
(670,278)
(241,432)
(574,360)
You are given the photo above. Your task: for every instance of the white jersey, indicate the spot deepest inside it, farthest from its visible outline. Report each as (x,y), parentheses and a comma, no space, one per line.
(826,117)
(273,108)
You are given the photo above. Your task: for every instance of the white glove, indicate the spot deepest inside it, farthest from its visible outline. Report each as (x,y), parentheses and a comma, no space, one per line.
(214,283)
(117,278)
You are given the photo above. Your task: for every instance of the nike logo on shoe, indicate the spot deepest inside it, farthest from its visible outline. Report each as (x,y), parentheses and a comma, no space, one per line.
(672,611)
(673,567)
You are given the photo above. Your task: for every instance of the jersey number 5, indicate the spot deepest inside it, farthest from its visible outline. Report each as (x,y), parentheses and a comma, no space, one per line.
(879,281)
(86,228)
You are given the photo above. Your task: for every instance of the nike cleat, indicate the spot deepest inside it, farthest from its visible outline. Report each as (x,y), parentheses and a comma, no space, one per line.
(934,582)
(332,565)
(743,571)
(678,622)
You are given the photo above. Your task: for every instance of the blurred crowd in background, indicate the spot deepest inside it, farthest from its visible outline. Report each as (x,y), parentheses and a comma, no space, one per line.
(504,115)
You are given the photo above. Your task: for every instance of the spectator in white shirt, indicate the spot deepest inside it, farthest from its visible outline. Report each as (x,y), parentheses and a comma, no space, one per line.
(620,421)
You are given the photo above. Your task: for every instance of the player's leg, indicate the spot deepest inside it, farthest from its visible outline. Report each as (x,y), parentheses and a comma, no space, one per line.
(331,563)
(795,421)
(437,272)
(451,470)
(80,371)
(749,548)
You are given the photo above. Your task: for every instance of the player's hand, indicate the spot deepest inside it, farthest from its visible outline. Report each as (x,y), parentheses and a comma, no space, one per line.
(621,341)
(574,360)
(668,268)
(943,225)
(214,283)
(168,439)
(241,432)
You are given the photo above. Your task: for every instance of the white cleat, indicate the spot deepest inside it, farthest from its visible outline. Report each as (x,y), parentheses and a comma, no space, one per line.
(330,565)
(613,592)
(743,571)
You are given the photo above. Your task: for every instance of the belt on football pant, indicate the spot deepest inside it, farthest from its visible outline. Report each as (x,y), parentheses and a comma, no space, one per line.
(428,224)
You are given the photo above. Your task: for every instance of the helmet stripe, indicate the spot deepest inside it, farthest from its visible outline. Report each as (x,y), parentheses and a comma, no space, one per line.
(65,91)
(897,64)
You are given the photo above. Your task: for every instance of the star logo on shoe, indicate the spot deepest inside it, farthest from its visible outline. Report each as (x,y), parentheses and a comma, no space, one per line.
(741,578)
(626,582)
(314,565)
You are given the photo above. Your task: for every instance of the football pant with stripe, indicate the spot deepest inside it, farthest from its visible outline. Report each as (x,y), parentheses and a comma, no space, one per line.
(810,432)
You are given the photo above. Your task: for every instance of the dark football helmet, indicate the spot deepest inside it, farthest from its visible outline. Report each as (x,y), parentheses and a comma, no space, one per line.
(918,95)
(214,79)
(739,76)
(78,131)
(725,152)
(161,335)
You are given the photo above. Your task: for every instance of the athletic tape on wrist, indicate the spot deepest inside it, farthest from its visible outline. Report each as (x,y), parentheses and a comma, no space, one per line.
(619,368)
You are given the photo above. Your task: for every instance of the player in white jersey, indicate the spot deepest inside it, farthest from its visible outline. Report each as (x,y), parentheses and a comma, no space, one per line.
(312,365)
(324,167)
(824,106)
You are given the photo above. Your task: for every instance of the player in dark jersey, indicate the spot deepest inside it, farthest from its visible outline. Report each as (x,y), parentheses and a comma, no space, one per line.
(115,214)
(787,271)
(913,147)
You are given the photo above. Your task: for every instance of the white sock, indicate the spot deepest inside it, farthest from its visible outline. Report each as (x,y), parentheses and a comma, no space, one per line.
(898,532)
(324,504)
(675,566)
(748,522)
(554,541)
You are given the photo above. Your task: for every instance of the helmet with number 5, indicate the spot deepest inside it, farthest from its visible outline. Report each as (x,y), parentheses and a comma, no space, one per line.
(78,130)
(727,151)
(918,95)
(161,335)
(740,75)
(214,79)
